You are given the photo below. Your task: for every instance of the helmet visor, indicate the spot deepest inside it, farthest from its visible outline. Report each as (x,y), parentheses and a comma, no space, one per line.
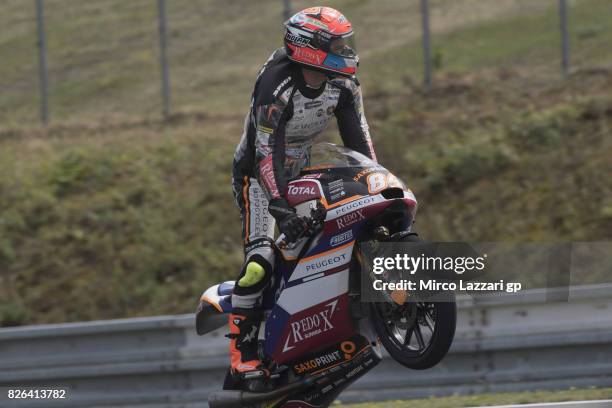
(343,46)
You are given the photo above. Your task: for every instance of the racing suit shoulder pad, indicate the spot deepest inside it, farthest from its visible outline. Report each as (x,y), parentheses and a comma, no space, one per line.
(351,84)
(275,83)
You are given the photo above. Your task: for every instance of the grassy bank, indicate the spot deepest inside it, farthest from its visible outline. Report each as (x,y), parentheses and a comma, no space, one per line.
(137,220)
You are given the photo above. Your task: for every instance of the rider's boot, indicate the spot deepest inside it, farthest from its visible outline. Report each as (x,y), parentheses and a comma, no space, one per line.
(245,363)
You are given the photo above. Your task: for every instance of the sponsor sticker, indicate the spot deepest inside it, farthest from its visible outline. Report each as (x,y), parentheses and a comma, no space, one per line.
(350,219)
(313,104)
(327,262)
(310,326)
(296,39)
(322,361)
(333,358)
(341,238)
(316,23)
(308,55)
(376,182)
(355,204)
(301,190)
(265,129)
(267,175)
(304,190)
(336,189)
(280,86)
(363,173)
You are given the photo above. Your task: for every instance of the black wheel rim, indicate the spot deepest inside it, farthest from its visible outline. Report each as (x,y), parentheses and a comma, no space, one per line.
(410,327)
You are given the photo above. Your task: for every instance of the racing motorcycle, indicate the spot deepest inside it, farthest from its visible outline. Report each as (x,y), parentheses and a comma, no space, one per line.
(318,337)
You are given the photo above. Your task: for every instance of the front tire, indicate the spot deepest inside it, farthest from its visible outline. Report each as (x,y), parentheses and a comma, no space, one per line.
(426,341)
(416,334)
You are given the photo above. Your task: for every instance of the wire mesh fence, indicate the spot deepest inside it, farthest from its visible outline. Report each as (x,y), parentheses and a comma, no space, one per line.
(101,59)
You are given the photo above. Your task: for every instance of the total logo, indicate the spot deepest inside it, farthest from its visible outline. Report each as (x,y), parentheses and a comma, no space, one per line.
(299,190)
(350,219)
(311,326)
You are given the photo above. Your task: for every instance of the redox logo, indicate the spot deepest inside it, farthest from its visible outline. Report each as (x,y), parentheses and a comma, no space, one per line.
(350,219)
(310,326)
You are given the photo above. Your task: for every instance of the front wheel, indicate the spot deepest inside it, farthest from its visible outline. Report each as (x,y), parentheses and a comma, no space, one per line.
(416,334)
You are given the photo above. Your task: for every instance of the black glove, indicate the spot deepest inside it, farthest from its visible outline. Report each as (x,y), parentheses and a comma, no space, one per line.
(292,226)
(289,223)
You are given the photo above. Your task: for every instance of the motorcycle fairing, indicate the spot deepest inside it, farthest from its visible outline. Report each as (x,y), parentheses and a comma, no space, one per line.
(301,190)
(318,278)
(322,263)
(342,220)
(309,316)
(214,303)
(356,357)
(219,296)
(330,357)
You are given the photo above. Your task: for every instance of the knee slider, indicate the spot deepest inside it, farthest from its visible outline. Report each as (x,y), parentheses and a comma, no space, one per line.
(253,274)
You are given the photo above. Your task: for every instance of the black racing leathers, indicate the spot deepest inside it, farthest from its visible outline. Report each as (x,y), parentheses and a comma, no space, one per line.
(285,118)
(284,121)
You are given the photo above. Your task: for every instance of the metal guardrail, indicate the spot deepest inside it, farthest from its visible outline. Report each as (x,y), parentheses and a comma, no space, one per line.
(503,343)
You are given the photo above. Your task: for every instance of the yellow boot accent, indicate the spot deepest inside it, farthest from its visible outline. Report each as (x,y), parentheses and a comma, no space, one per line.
(253,274)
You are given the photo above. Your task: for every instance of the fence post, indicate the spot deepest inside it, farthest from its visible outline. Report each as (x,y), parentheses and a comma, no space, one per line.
(163,60)
(42,62)
(426,42)
(287,9)
(564,38)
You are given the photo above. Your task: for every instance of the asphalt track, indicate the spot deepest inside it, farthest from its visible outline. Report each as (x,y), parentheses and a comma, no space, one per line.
(568,404)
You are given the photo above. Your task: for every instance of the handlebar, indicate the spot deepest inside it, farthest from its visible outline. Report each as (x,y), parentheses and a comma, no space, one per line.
(313,225)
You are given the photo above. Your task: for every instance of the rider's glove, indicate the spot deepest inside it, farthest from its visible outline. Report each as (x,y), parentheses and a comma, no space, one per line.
(292,226)
(289,223)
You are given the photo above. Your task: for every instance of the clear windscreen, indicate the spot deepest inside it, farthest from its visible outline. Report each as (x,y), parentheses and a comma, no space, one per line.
(328,155)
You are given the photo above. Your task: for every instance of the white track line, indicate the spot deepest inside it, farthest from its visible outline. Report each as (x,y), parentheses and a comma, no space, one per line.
(565,404)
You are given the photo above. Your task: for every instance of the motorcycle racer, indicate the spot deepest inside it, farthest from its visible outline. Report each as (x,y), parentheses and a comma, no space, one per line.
(297,91)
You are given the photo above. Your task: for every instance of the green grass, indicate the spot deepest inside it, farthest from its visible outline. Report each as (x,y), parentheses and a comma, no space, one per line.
(495,399)
(112,213)
(105,227)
